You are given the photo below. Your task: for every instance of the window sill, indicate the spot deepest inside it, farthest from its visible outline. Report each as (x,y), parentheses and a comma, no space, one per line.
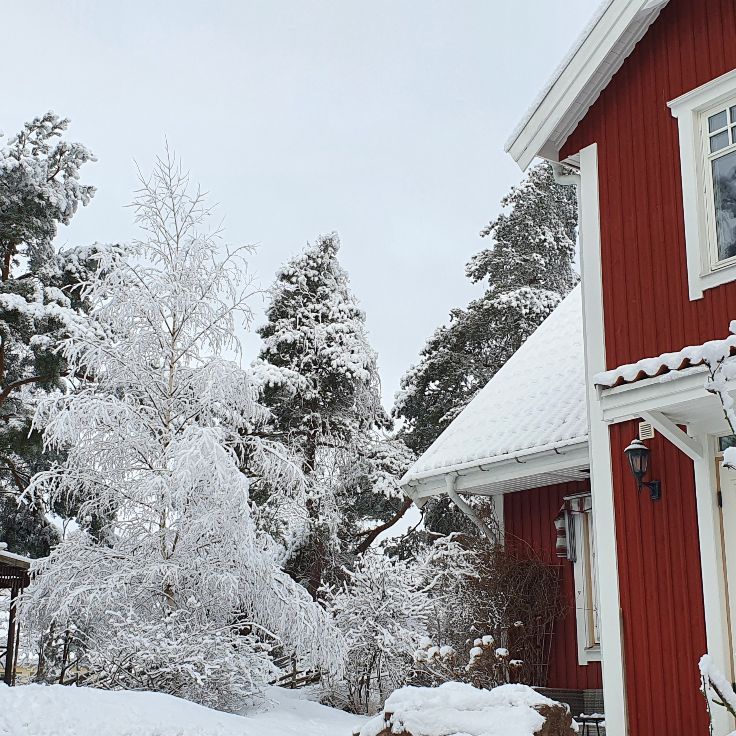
(711,279)
(591,654)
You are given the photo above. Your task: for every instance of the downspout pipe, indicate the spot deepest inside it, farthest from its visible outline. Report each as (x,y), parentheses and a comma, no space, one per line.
(467,509)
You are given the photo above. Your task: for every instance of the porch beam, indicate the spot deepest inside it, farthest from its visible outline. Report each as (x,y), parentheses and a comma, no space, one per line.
(668,429)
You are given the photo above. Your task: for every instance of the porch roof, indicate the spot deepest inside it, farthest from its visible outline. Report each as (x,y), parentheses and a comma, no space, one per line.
(533,408)
(689,357)
(12,560)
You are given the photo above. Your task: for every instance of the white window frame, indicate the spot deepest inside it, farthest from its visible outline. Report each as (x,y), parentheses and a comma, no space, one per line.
(585,576)
(692,110)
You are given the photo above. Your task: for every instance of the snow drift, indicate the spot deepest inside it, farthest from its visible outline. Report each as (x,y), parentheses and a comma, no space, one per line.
(57,710)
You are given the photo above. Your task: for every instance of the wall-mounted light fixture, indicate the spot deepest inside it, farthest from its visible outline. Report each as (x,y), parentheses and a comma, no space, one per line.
(638,454)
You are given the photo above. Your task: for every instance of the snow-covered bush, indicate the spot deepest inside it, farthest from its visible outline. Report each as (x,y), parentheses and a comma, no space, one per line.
(163,444)
(716,688)
(485,663)
(180,655)
(382,611)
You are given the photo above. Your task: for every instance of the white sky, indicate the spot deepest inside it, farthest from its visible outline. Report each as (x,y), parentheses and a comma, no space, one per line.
(383,120)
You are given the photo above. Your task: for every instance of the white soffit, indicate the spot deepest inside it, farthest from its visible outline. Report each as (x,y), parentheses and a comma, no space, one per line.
(599,53)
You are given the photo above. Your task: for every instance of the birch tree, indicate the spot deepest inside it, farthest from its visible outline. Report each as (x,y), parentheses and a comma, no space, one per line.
(170,583)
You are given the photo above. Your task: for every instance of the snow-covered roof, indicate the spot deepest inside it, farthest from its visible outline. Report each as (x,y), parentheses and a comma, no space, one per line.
(688,357)
(535,403)
(610,36)
(9,558)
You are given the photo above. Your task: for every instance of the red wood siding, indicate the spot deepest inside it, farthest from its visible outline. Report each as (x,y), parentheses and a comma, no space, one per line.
(647,307)
(648,312)
(529,517)
(661,591)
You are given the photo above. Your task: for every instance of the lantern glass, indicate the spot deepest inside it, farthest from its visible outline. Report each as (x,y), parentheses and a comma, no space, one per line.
(638,454)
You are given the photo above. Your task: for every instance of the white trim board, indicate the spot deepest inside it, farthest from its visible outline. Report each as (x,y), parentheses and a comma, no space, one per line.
(604,517)
(579,82)
(712,567)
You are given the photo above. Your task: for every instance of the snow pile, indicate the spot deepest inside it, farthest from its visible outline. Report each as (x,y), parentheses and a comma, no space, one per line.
(535,402)
(38,710)
(716,688)
(457,709)
(710,352)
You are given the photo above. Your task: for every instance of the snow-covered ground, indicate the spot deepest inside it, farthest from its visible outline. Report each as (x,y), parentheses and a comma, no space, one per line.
(36,710)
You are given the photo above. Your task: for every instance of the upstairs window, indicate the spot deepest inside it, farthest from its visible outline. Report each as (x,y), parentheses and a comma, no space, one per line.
(720,131)
(706,119)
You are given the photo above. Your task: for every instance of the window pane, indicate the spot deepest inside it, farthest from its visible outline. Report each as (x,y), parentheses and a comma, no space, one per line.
(733,134)
(717,121)
(733,114)
(724,194)
(728,441)
(719,141)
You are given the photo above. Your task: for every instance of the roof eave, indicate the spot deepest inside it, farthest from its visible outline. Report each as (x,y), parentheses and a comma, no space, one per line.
(581,80)
(490,473)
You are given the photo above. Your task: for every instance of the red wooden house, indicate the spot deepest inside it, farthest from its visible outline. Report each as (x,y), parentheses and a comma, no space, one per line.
(644,109)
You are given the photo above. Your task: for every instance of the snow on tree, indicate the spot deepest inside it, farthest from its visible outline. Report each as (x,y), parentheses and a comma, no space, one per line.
(382,609)
(373,498)
(528,271)
(169,584)
(319,378)
(388,608)
(39,303)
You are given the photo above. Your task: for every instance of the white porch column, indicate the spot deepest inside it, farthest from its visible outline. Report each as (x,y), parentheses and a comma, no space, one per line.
(712,567)
(600,447)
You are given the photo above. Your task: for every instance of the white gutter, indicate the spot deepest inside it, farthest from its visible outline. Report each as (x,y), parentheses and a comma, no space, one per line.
(552,450)
(514,473)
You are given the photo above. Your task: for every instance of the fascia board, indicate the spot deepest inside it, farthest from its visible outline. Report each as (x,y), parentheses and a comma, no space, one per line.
(655,394)
(484,474)
(534,137)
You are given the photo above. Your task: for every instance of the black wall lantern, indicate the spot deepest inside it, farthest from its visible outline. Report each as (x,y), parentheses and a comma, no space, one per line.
(638,454)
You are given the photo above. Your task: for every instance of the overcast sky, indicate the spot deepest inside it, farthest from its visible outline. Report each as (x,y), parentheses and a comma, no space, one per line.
(383,120)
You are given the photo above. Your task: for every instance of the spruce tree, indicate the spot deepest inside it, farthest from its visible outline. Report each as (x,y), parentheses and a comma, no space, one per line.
(528,270)
(320,380)
(40,303)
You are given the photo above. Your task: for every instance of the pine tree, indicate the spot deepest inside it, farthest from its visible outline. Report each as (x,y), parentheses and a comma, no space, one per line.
(177,589)
(40,303)
(528,270)
(320,380)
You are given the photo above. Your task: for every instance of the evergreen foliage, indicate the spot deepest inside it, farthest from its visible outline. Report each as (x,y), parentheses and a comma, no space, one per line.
(527,271)
(320,380)
(40,304)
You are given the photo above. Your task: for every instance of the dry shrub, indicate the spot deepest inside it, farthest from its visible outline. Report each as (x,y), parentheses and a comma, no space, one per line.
(500,627)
